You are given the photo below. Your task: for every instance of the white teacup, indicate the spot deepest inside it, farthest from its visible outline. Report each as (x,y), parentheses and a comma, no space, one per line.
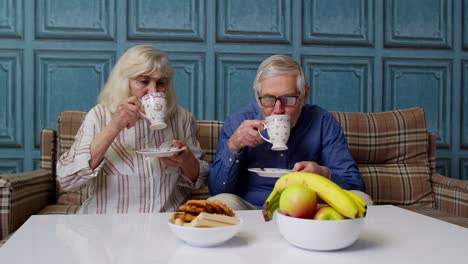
(278,127)
(155,105)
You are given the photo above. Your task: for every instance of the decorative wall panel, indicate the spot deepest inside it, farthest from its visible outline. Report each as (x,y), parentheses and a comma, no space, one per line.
(464,106)
(259,21)
(465,24)
(75,19)
(189,72)
(235,75)
(166,20)
(463,169)
(11,166)
(338,22)
(421,83)
(358,55)
(11,14)
(418,23)
(11,129)
(77,76)
(339,84)
(443,167)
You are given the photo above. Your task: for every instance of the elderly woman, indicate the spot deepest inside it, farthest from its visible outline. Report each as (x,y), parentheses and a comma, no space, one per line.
(104,156)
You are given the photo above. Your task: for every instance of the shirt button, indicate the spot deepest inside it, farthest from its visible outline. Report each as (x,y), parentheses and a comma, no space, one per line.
(230,159)
(281,155)
(224,183)
(237,161)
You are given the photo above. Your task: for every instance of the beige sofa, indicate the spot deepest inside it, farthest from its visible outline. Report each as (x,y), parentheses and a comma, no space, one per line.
(394,152)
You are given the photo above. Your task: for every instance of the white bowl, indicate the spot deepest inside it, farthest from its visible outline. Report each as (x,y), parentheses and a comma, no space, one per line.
(205,236)
(319,234)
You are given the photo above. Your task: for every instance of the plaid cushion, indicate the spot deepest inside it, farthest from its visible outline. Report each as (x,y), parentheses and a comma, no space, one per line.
(435,213)
(69,123)
(391,150)
(208,135)
(451,195)
(59,209)
(22,195)
(48,143)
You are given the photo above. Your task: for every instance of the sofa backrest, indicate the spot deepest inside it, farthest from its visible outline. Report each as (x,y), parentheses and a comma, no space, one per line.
(393,150)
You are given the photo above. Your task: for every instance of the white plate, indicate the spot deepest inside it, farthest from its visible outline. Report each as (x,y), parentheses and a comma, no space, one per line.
(269,172)
(158,153)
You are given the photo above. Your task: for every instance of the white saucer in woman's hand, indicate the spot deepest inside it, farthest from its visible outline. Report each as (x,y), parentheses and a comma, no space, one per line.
(269,172)
(158,152)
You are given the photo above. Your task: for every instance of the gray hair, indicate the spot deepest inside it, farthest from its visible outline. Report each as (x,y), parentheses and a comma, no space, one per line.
(136,61)
(279,65)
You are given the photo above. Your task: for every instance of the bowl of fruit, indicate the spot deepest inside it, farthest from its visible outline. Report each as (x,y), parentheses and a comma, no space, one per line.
(314,213)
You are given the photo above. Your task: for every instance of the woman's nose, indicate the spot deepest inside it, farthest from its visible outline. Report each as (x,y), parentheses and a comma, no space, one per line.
(152,87)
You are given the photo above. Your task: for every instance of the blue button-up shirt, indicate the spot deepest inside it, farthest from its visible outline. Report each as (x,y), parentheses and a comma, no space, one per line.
(317,137)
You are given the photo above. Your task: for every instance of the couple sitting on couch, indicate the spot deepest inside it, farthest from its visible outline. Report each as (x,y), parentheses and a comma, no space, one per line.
(104,156)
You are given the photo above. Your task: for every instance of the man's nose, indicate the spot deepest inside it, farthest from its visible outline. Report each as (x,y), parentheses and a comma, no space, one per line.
(279,108)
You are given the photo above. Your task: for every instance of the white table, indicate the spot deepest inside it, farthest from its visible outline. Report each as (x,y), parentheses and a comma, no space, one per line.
(390,235)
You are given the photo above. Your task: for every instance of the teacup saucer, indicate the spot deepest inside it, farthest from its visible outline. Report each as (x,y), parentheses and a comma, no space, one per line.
(269,172)
(159,153)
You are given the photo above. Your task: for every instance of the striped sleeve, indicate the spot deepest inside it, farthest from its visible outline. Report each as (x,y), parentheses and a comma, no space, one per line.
(73,169)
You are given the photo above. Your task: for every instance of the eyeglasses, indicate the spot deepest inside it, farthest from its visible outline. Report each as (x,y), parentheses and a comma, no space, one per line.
(270,101)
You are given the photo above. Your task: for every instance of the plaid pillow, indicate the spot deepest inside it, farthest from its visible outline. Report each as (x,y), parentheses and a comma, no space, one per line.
(208,135)
(391,150)
(69,122)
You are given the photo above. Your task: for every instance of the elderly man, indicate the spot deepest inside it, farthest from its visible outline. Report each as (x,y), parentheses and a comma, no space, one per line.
(316,143)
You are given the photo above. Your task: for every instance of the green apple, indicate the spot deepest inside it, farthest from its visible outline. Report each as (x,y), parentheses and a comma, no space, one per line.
(298,201)
(328,213)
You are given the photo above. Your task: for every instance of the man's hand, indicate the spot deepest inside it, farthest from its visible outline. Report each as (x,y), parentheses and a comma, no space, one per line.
(310,166)
(127,113)
(246,135)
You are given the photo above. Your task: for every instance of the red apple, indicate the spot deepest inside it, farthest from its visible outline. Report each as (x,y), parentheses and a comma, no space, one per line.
(328,213)
(298,201)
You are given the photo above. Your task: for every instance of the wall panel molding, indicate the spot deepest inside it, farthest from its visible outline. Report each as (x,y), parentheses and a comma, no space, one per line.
(235,75)
(189,73)
(166,20)
(340,83)
(254,21)
(11,100)
(465,24)
(11,166)
(464,106)
(443,166)
(419,23)
(336,22)
(77,75)
(75,19)
(423,83)
(11,19)
(463,169)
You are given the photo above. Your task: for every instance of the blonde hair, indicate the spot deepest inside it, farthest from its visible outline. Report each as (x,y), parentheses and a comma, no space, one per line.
(136,61)
(279,65)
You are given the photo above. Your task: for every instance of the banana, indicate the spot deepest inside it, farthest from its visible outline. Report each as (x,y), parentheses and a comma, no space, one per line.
(360,203)
(326,189)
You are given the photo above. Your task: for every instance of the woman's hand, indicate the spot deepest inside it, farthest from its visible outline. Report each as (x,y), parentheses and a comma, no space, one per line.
(127,113)
(184,160)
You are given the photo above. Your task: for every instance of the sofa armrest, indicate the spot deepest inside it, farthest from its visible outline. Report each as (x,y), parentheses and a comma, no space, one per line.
(450,195)
(22,195)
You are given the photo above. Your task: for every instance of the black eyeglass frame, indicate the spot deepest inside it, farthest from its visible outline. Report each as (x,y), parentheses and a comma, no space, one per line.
(282,100)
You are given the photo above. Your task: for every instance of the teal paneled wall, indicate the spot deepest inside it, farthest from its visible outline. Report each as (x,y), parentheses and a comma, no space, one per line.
(358,55)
